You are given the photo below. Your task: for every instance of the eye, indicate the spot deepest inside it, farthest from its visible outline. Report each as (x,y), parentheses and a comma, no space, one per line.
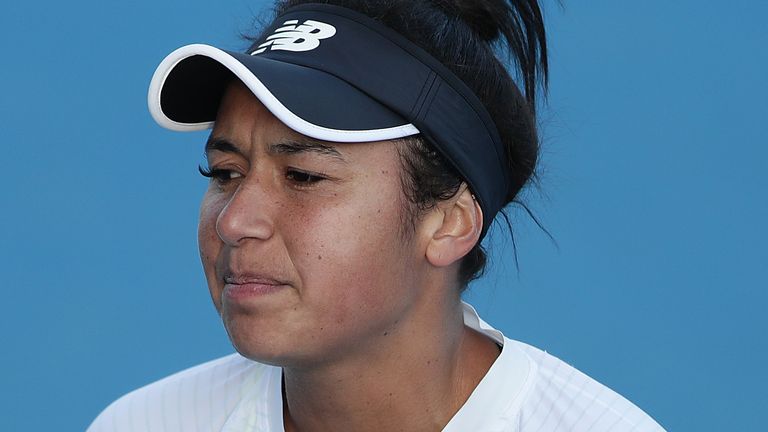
(303,177)
(218,174)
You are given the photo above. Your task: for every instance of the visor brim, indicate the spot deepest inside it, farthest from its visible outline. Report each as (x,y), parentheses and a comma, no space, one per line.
(188,85)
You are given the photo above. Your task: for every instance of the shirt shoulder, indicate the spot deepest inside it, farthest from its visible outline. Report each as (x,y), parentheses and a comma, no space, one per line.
(562,398)
(200,398)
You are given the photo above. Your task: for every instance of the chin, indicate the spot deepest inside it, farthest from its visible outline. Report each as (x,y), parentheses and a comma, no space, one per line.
(257,350)
(259,342)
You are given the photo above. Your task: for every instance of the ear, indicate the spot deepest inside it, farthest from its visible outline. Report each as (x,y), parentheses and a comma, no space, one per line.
(459,231)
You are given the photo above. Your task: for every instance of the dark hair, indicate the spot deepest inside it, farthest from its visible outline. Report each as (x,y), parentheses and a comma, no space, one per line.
(474,39)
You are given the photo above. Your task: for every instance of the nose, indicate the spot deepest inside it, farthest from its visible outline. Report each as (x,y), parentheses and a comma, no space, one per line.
(245,216)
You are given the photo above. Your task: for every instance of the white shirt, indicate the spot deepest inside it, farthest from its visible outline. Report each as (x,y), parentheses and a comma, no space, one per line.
(525,390)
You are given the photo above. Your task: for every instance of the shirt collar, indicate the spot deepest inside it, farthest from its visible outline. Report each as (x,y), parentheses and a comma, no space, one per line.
(495,403)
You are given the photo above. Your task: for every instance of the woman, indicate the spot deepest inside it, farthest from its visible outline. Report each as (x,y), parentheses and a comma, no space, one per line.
(360,150)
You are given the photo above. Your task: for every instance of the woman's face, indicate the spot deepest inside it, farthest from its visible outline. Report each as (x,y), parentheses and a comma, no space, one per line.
(302,241)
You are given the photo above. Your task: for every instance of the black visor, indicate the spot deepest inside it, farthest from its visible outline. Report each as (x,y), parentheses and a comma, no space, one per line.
(336,75)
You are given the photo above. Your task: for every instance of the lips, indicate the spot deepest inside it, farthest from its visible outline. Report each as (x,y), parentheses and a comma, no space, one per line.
(241,287)
(242,279)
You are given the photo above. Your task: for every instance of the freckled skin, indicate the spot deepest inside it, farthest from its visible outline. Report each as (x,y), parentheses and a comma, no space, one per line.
(367,324)
(336,243)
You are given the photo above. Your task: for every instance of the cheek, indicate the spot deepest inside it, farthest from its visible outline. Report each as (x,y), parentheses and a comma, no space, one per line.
(209,243)
(206,230)
(345,233)
(353,259)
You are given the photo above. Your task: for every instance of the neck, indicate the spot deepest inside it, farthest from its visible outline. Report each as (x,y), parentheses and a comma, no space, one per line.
(415,378)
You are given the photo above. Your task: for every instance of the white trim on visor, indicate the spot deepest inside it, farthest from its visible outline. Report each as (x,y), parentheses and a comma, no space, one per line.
(265,96)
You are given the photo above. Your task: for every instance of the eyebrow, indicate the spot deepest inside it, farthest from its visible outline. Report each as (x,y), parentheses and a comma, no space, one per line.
(285,147)
(222,145)
(304,145)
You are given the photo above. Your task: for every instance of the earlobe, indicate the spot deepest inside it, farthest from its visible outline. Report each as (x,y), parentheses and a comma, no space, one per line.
(459,232)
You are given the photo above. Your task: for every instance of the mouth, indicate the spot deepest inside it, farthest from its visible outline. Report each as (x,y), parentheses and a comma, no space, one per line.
(243,287)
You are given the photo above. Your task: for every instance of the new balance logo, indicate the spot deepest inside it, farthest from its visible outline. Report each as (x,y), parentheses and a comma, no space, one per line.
(297,37)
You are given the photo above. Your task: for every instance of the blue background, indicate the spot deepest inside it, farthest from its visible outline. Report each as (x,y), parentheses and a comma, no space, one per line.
(653,184)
